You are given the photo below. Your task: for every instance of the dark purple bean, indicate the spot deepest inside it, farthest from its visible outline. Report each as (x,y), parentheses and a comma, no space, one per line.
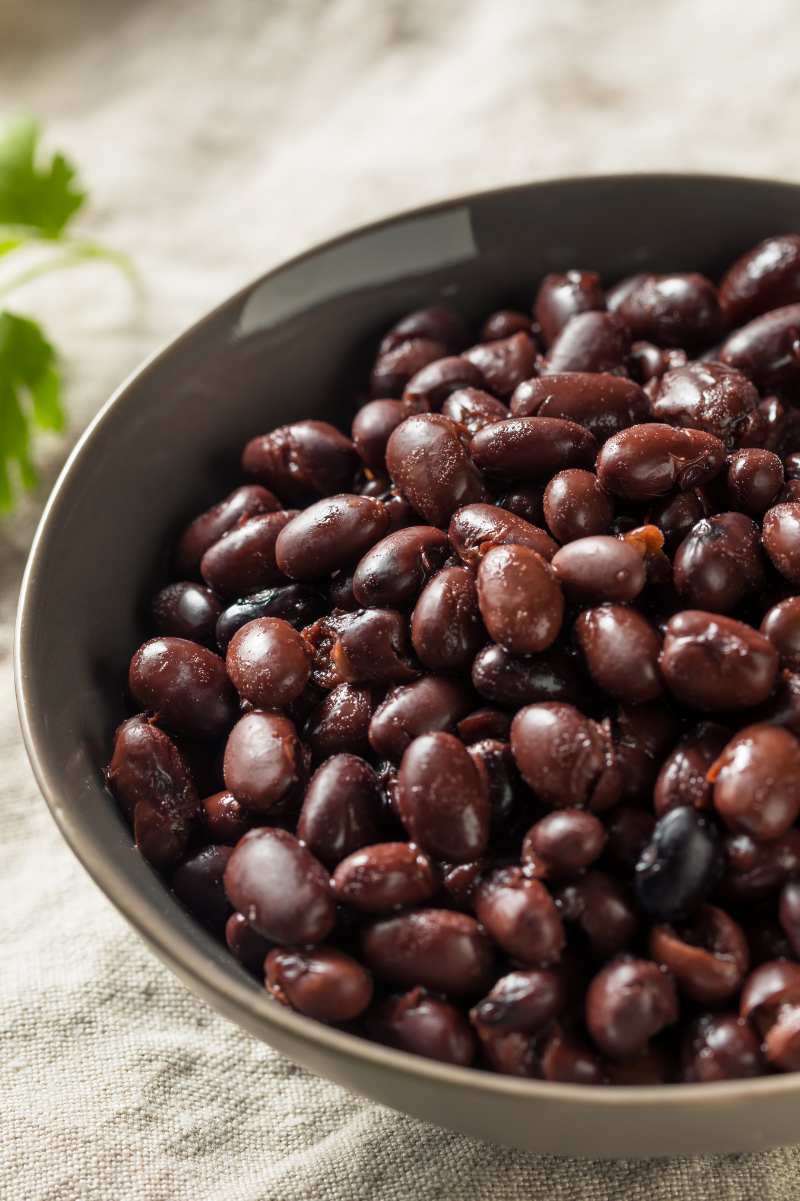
(243,560)
(519,914)
(425,706)
(648,461)
(324,983)
(374,424)
(503,324)
(719,563)
(459,881)
(504,363)
(756,869)
(563,296)
(209,527)
(767,349)
(561,754)
(710,397)
(496,764)
(603,404)
(245,944)
(512,680)
(649,362)
(600,568)
(527,503)
(522,1002)
(185,685)
(302,461)
(430,467)
(330,534)
(621,649)
(484,723)
(186,610)
(789,914)
(520,599)
(770,999)
(474,409)
(341,809)
(575,506)
(151,779)
(764,278)
(263,761)
(446,627)
(393,572)
(563,843)
(628,1003)
(602,910)
(757,782)
(671,310)
(714,663)
(365,647)
(754,480)
(589,341)
(438,949)
(395,367)
(385,876)
(683,778)
(720,1046)
(781,537)
(708,956)
(283,891)
(340,722)
(268,662)
(566,1060)
(197,883)
(431,386)
(532,447)
(676,515)
(791,465)
(511,1054)
(781,624)
(295,603)
(424,1025)
(680,865)
(435,322)
(474,529)
(443,798)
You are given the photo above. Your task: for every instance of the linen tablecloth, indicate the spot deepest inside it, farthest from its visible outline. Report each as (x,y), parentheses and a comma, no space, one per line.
(217,138)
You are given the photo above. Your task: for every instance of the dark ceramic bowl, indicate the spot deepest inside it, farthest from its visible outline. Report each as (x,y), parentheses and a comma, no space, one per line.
(166,444)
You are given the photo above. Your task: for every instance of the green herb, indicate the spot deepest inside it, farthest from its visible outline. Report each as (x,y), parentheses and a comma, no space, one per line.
(38,201)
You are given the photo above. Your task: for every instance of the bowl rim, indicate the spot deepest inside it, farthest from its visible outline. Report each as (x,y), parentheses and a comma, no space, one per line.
(189,962)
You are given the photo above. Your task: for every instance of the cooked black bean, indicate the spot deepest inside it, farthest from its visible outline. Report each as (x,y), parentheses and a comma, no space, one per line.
(781,624)
(385,876)
(767,349)
(563,296)
(282,890)
(707,396)
(621,649)
(708,956)
(330,534)
(365,647)
(504,363)
(715,663)
(563,843)
(295,603)
(648,362)
(683,778)
(424,1025)
(341,809)
(485,722)
(438,949)
(474,529)
(671,310)
(245,943)
(515,680)
(589,341)
(680,865)
(393,572)
(437,322)
(575,506)
(395,367)
(431,385)
(503,323)
(185,685)
(764,278)
(243,560)
(374,424)
(678,513)
(209,527)
(323,983)
(754,480)
(562,755)
(527,503)
(430,467)
(474,409)
(600,568)
(443,798)
(186,610)
(532,447)
(719,563)
(302,461)
(268,662)
(226,820)
(263,760)
(757,782)
(522,1001)
(340,722)
(720,1046)
(628,1003)
(423,707)
(520,599)
(446,627)
(519,914)
(781,537)
(648,461)
(198,884)
(771,1000)
(604,404)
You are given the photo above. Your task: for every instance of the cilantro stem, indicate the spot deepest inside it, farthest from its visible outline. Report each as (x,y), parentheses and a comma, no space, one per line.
(74,253)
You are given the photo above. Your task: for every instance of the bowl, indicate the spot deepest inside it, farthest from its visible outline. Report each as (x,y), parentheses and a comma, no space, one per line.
(166,444)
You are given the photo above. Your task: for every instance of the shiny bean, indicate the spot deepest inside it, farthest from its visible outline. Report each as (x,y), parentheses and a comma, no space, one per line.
(446,627)
(385,876)
(368,646)
(770,999)
(621,649)
(754,480)
(186,610)
(532,447)
(708,957)
(208,528)
(324,983)
(341,808)
(263,761)
(484,723)
(395,367)
(245,944)
(340,722)
(603,404)
(561,754)
(764,278)
(642,736)
(649,362)
(781,624)
(243,560)
(720,1046)
(680,866)
(520,599)
(225,819)
(719,563)
(683,778)
(757,869)
(504,363)
(600,568)
(374,424)
(393,572)
(474,409)
(503,323)
(295,603)
(575,506)
(268,662)
(629,1002)
(184,684)
(714,663)
(514,680)
(424,1025)
(474,529)
(757,782)
(522,1001)
(519,914)
(677,514)
(767,349)
(430,466)
(566,1060)
(431,386)
(563,296)
(302,461)
(781,537)
(563,843)
(330,534)
(707,396)
(438,949)
(648,461)
(789,914)
(425,706)
(443,798)
(282,890)
(436,322)
(602,910)
(589,341)
(197,883)
(671,310)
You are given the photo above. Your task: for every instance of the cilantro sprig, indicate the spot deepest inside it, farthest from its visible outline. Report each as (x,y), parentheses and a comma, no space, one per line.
(39,198)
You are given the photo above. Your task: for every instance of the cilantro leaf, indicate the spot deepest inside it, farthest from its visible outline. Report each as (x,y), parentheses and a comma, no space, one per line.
(30,394)
(43,198)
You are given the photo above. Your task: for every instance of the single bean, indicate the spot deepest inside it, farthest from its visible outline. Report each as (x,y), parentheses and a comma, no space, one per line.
(459,881)
(394,368)
(719,563)
(496,764)
(527,503)
(754,480)
(629,1002)
(225,818)
(263,761)
(683,778)
(566,1060)
(770,999)
(708,957)
(430,467)
(720,1046)
(302,461)
(425,706)
(562,755)
(340,722)
(755,870)
(532,447)
(184,684)
(764,278)
(341,809)
(268,663)
(522,1001)
(474,529)
(385,876)
(474,409)
(330,534)
(282,890)
(208,528)
(324,983)
(243,560)
(393,572)
(602,910)
(503,324)
(446,627)
(781,624)
(648,461)
(757,782)
(436,322)
(186,610)
(443,798)
(714,663)
(504,363)
(589,341)
(368,646)
(374,424)
(575,506)
(511,1054)
(520,599)
(423,1025)
(649,362)
(671,310)
(295,603)
(431,386)
(600,568)
(781,538)
(708,396)
(484,723)
(767,349)
(563,843)
(604,404)
(245,944)
(563,296)
(789,913)
(680,866)
(438,949)
(621,649)
(197,883)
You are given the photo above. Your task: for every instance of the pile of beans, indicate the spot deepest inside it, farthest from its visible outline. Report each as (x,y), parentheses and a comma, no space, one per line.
(477,731)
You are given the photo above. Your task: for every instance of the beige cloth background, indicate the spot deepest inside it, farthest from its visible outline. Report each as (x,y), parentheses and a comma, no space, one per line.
(218,137)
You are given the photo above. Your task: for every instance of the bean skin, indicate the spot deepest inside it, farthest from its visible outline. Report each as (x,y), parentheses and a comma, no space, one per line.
(425,706)
(671,310)
(781,538)
(295,603)
(446,627)
(714,663)
(720,1046)
(764,278)
(767,349)
(341,809)
(302,461)
(330,534)
(443,798)
(243,560)
(628,1003)
(648,362)
(324,983)
(340,722)
(208,528)
(561,754)
(683,778)
(621,649)
(645,462)
(474,409)
(424,1025)
(600,568)
(520,599)
(495,762)
(385,876)
(514,680)
(393,572)
(770,1000)
(589,341)
(519,914)
(707,396)
(185,685)
(781,624)
(757,782)
(283,891)
(263,761)
(151,779)
(430,467)
(431,386)
(563,296)
(268,663)
(438,949)
(504,363)
(474,529)
(709,958)
(575,506)
(436,322)
(532,447)
(186,610)
(603,404)
(395,367)
(719,563)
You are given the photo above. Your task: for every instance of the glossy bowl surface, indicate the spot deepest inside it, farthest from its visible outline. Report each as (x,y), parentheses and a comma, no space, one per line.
(166,445)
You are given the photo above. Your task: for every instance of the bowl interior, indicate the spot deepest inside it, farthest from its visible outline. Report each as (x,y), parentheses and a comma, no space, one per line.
(294,345)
